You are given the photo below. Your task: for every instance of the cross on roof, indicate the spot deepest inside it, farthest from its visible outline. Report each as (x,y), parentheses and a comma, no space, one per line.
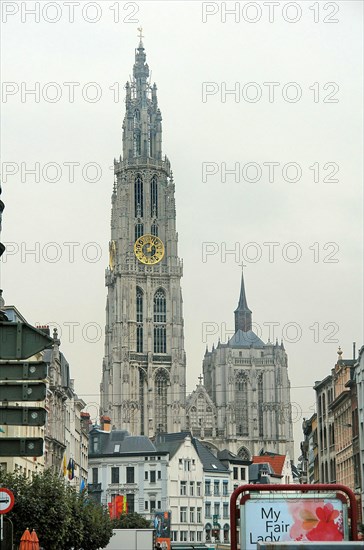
(200,378)
(140,29)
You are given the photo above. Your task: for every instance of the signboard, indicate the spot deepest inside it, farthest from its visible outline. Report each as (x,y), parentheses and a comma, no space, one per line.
(20,340)
(292,517)
(162,526)
(6,500)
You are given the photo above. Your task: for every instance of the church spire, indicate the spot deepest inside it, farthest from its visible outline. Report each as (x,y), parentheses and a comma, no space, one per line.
(243,315)
(142,127)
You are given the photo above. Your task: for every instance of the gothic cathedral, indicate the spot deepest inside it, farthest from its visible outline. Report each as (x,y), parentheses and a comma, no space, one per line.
(143,384)
(244,404)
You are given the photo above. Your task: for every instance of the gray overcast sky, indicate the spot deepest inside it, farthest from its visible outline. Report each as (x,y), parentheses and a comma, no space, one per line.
(321,129)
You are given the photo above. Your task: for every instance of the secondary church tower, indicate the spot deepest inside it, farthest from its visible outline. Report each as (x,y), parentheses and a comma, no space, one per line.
(144,369)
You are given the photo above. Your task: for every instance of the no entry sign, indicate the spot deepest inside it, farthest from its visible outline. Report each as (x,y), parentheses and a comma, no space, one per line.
(6,500)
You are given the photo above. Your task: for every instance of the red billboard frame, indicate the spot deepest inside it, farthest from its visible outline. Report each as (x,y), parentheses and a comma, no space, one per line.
(304,488)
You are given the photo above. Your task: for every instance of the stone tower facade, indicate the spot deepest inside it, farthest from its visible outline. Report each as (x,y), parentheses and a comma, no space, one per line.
(143,384)
(244,404)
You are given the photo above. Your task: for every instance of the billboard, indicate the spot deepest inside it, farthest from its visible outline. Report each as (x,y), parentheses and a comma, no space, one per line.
(291,517)
(162,526)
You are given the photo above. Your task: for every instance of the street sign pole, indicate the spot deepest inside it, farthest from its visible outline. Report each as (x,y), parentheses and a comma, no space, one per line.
(6,504)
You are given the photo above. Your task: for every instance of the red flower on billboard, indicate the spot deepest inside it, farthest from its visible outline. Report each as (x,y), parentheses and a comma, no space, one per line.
(326,528)
(316,523)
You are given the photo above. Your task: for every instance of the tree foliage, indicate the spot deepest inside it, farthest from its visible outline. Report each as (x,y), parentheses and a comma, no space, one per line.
(131,521)
(63,518)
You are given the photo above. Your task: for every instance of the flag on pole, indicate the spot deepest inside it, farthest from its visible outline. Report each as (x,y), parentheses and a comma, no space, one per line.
(64,465)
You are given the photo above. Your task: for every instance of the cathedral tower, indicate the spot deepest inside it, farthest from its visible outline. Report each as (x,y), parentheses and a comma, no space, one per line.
(144,368)
(244,404)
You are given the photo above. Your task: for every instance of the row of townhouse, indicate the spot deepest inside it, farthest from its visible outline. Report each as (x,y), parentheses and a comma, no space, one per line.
(333,445)
(65,433)
(174,473)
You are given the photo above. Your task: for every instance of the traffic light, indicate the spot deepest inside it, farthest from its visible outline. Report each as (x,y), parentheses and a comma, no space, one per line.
(21,446)
(22,416)
(37,370)
(2,206)
(22,387)
(18,391)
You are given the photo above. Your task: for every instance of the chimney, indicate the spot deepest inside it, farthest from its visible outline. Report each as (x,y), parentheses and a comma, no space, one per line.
(105,422)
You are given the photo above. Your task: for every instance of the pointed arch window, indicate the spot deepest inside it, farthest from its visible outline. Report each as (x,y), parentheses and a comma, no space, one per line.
(159,318)
(160,306)
(139,230)
(242,412)
(260,406)
(142,383)
(138,196)
(139,318)
(161,384)
(154,197)
(154,229)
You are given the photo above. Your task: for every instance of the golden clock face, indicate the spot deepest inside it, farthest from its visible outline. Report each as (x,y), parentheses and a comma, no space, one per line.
(149,249)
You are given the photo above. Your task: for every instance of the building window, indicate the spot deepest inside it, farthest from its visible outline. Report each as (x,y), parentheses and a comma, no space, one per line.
(160,306)
(154,229)
(154,197)
(183,514)
(225,510)
(152,476)
(199,536)
(242,405)
(183,488)
(138,196)
(192,488)
(159,474)
(146,476)
(199,515)
(159,504)
(146,505)
(159,317)
(235,473)
(216,488)
(160,339)
(183,536)
(198,488)
(225,488)
(139,318)
(174,535)
(115,475)
(139,230)
(95,476)
(130,474)
(192,536)
(192,515)
(161,381)
(207,488)
(242,473)
(208,509)
(217,509)
(130,501)
(260,406)
(187,464)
